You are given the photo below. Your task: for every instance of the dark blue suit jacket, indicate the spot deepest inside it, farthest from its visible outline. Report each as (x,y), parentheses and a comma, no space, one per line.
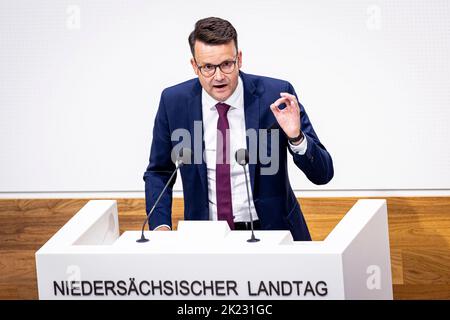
(275,202)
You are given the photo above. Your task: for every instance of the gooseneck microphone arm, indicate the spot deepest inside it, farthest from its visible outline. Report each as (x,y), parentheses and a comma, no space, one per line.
(242,158)
(143,239)
(184,157)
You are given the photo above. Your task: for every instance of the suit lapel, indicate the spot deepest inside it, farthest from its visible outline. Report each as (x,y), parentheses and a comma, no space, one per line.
(198,144)
(251,110)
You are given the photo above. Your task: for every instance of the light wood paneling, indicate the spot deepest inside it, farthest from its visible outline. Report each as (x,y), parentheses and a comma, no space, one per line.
(419,231)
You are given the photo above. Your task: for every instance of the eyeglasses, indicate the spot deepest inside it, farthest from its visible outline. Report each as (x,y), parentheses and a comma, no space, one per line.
(208,70)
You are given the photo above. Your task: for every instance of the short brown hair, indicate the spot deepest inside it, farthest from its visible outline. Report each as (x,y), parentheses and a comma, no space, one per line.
(213,30)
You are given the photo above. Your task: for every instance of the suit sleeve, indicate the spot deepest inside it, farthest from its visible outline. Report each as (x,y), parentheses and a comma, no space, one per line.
(316,163)
(159,170)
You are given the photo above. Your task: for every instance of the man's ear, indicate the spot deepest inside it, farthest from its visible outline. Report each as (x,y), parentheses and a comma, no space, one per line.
(240,59)
(194,66)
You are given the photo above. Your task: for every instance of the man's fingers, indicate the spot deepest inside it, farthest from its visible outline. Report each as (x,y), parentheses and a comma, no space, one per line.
(280,101)
(274,108)
(291,98)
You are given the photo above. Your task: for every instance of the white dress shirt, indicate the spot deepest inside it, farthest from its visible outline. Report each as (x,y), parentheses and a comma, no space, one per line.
(236,120)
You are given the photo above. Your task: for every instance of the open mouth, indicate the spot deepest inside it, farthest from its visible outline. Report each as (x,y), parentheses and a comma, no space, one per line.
(220,86)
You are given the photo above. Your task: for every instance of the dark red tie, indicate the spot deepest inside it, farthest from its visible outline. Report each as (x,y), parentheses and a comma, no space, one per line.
(223,179)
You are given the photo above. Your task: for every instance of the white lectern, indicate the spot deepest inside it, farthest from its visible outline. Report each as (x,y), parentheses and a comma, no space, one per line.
(88,259)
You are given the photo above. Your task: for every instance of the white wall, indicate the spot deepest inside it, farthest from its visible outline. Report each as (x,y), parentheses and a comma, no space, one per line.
(80,82)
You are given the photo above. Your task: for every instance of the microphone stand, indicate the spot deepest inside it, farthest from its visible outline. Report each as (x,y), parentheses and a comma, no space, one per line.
(242,158)
(252,238)
(143,239)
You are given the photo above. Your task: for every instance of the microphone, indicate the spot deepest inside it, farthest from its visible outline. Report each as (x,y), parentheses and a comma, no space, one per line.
(242,158)
(184,157)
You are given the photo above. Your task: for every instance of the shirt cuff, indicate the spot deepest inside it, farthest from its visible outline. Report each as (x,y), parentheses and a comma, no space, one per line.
(300,148)
(162,225)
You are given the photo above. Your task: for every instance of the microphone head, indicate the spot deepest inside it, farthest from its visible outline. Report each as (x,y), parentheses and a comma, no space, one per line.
(241,156)
(184,156)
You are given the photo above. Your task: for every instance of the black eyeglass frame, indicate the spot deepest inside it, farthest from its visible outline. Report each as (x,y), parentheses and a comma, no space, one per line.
(217,66)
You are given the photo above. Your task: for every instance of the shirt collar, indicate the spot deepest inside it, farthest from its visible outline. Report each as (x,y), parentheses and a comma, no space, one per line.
(234,101)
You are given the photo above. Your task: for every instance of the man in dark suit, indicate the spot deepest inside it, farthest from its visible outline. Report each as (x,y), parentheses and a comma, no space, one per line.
(218,111)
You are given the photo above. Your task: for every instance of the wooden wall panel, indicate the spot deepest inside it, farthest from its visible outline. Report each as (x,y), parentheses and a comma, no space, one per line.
(419,230)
